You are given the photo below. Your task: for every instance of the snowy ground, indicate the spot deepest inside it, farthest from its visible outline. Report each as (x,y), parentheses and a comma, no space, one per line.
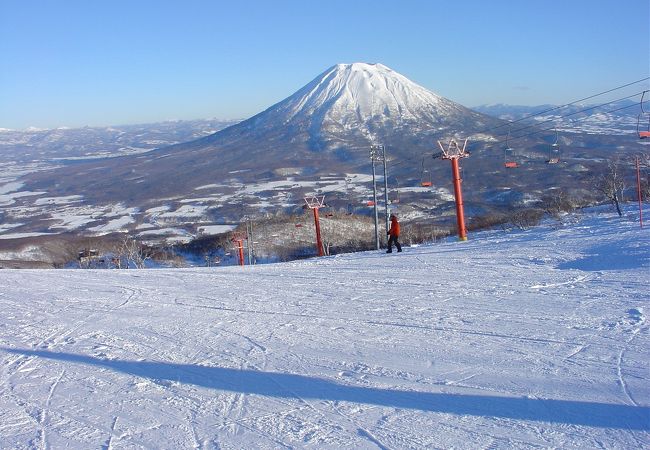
(510,340)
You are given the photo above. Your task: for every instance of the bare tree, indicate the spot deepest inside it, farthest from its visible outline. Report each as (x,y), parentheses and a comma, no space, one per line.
(611,184)
(558,205)
(131,252)
(644,162)
(525,219)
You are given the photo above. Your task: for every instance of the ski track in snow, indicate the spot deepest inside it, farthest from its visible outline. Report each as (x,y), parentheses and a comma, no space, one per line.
(326,348)
(572,282)
(636,316)
(109,442)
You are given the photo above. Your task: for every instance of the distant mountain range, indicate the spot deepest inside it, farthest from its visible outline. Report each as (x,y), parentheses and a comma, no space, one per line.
(315,141)
(101,142)
(619,117)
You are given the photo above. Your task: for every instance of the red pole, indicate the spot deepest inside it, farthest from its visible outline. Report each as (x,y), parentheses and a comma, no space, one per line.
(319,242)
(240,244)
(638,191)
(460,215)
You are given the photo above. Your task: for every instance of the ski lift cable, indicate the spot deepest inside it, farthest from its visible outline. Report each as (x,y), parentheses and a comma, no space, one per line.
(555,108)
(554,127)
(576,120)
(589,108)
(416,161)
(413,162)
(555,120)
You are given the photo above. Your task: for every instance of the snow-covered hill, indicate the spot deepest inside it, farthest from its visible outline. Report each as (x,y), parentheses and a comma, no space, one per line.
(509,340)
(361,101)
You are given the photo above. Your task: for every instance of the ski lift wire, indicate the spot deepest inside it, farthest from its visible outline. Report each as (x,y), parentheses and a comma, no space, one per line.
(555,119)
(555,108)
(554,126)
(646,133)
(414,161)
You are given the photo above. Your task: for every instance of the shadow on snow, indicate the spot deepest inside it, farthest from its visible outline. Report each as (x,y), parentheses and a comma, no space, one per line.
(631,255)
(284,385)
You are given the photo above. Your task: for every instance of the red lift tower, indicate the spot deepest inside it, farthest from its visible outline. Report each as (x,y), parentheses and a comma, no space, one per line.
(314,203)
(454,152)
(639,192)
(238,239)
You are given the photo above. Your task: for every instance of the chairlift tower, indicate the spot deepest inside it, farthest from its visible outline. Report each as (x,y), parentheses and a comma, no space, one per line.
(315,203)
(375,156)
(454,152)
(238,239)
(380,155)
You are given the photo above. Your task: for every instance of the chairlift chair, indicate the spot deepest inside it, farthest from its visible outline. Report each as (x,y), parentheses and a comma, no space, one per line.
(643,134)
(510,164)
(554,151)
(425,177)
(554,154)
(510,161)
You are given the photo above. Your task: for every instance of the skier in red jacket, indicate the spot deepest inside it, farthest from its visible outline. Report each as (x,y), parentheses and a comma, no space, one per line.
(394,234)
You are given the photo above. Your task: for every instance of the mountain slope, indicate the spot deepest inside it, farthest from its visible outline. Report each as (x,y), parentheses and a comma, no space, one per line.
(327,126)
(509,340)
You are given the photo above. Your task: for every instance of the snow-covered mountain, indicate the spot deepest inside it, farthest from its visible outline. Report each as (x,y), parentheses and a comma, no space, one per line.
(359,92)
(355,105)
(361,100)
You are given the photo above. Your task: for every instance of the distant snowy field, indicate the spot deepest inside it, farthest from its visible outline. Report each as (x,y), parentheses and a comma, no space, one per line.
(535,339)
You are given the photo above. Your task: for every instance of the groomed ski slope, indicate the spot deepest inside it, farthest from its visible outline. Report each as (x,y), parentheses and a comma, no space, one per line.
(528,339)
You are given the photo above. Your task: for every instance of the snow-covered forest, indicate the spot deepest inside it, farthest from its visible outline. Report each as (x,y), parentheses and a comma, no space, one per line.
(525,339)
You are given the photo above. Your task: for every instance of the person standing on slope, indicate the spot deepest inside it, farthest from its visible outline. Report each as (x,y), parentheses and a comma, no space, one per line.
(394,234)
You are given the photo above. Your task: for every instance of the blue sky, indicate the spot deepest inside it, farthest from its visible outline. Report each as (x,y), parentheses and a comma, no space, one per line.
(76,63)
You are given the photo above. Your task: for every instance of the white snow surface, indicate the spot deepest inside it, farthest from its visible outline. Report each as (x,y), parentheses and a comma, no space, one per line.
(535,339)
(215,229)
(113,225)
